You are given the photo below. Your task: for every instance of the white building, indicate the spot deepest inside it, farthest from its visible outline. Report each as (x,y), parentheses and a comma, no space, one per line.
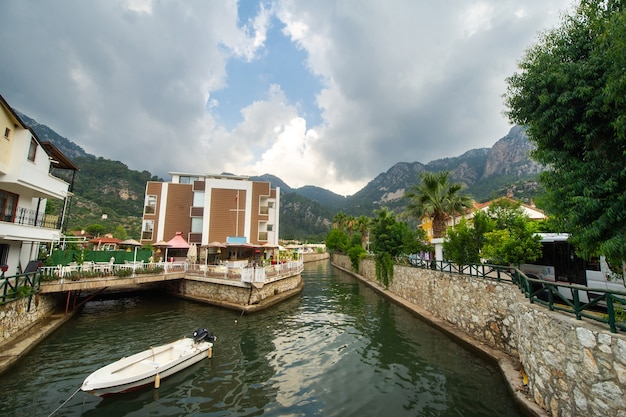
(26,185)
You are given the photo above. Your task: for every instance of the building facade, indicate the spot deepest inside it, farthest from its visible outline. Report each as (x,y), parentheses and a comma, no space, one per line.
(211,208)
(27,184)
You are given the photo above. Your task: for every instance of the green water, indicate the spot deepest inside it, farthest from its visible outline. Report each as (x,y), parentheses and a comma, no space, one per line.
(338,349)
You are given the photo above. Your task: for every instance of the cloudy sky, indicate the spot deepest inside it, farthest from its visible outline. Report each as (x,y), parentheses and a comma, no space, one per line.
(326,93)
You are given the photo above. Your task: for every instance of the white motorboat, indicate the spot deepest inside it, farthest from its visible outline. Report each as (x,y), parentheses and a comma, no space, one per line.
(150,366)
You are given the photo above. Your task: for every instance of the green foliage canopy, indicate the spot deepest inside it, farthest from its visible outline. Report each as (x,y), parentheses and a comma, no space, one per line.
(437,197)
(504,235)
(570,93)
(337,240)
(390,239)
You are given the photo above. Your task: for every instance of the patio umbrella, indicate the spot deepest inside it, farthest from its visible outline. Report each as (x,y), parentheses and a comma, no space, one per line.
(133,243)
(216,244)
(162,244)
(192,253)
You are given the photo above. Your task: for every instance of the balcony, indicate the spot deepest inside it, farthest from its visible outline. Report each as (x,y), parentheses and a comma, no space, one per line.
(30,217)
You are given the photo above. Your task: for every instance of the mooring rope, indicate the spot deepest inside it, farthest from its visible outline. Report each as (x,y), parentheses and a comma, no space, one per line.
(65,402)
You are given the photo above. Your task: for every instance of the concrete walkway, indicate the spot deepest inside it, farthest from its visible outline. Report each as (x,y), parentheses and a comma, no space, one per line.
(13,349)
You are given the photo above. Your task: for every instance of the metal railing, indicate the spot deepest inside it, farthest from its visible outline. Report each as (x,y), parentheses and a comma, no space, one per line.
(249,273)
(604,306)
(88,270)
(30,217)
(19,286)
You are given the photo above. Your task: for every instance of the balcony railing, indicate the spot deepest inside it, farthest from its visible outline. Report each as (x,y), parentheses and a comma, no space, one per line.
(29,217)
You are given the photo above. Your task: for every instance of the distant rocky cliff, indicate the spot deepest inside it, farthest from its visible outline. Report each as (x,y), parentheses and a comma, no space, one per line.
(505,168)
(510,155)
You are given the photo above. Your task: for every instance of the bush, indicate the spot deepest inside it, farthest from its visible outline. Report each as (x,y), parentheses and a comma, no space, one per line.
(356,253)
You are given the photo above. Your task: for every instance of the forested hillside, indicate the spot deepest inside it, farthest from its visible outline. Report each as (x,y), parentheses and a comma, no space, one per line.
(109,194)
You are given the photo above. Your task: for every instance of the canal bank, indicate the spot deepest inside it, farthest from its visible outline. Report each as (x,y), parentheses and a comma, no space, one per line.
(573,367)
(509,367)
(16,347)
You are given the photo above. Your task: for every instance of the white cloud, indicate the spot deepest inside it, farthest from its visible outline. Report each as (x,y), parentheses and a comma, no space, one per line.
(135,80)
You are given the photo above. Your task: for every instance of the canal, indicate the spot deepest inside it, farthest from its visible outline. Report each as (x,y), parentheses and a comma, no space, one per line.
(338,349)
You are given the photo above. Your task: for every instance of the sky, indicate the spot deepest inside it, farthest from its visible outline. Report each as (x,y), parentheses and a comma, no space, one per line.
(325,93)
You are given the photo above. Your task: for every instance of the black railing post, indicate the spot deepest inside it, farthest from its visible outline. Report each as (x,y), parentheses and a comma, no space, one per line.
(5,281)
(611,311)
(550,297)
(576,303)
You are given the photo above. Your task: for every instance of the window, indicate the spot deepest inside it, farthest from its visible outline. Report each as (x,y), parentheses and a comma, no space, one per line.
(270,204)
(150,207)
(32,151)
(7,132)
(187,180)
(8,205)
(198,199)
(146,229)
(270,227)
(196,225)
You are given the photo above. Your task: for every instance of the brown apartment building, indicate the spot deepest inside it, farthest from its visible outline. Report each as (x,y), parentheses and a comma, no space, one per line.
(211,208)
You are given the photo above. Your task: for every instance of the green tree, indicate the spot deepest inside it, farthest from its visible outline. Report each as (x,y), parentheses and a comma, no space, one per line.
(390,239)
(96,229)
(337,241)
(339,221)
(503,235)
(513,239)
(464,242)
(435,196)
(120,232)
(570,94)
(362,224)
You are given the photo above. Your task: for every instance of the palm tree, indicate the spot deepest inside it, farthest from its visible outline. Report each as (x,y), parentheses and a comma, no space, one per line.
(436,197)
(350,224)
(362,224)
(339,221)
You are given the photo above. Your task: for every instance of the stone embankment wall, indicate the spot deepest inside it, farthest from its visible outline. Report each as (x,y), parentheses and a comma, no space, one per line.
(312,257)
(16,317)
(235,294)
(574,367)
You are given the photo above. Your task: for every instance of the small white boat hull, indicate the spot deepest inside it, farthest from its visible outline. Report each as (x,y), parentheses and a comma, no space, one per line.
(147,367)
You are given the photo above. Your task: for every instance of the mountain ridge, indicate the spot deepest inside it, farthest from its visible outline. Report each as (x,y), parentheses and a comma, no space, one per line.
(104,186)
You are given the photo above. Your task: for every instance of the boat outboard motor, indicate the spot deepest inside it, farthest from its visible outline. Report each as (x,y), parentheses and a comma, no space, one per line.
(203,334)
(200,334)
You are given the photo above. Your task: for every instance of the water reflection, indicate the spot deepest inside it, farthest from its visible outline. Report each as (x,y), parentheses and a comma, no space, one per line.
(338,349)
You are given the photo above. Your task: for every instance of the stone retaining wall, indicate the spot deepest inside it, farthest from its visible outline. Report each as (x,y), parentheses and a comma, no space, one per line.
(235,293)
(574,367)
(312,257)
(15,316)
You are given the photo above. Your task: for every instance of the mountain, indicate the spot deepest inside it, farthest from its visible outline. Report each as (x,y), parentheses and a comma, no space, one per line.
(107,192)
(504,169)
